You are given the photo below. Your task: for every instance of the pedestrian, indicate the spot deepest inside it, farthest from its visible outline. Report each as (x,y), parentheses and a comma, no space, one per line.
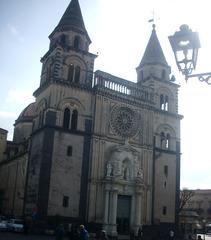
(171,235)
(73,233)
(140,233)
(132,235)
(199,237)
(103,235)
(69,231)
(190,237)
(59,232)
(25,227)
(83,233)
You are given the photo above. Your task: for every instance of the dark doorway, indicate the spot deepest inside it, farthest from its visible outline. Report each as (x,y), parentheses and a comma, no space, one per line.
(123,214)
(1,200)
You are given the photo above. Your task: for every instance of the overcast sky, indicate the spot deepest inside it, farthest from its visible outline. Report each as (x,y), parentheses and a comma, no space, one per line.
(119,31)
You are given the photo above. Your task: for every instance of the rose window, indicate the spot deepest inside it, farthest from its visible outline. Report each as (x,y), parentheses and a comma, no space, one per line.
(124,121)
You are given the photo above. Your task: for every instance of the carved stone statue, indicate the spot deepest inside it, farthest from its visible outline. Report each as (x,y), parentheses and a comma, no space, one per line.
(140,173)
(109,170)
(126,173)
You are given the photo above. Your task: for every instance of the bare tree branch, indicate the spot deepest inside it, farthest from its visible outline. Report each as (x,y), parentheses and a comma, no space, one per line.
(185,196)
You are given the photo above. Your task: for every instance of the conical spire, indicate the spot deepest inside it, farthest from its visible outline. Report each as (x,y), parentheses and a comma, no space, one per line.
(72,19)
(153,53)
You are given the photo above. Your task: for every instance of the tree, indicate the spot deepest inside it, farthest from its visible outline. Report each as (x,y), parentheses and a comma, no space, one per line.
(185,196)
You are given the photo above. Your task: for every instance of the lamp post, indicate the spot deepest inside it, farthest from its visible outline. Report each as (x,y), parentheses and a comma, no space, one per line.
(204,227)
(185,45)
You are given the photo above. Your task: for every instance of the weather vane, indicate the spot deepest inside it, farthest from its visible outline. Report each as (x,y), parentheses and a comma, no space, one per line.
(152,20)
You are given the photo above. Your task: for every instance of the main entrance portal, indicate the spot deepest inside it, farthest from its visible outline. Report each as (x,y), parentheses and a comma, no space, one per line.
(123,214)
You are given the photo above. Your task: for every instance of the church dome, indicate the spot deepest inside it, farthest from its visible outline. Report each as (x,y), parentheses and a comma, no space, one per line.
(27,114)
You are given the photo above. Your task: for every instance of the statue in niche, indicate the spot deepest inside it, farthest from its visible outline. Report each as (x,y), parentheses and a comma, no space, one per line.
(109,170)
(126,173)
(116,171)
(117,168)
(140,173)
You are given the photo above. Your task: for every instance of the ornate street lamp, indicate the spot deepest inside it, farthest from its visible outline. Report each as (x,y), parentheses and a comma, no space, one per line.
(185,45)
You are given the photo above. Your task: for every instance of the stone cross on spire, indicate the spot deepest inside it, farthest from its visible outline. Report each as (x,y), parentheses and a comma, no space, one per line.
(153,19)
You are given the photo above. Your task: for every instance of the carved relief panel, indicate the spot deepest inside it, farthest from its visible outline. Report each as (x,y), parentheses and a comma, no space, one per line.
(124,164)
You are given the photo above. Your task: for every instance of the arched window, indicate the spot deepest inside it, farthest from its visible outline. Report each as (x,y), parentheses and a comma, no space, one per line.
(63,40)
(69,151)
(166,103)
(70,73)
(66,119)
(141,75)
(163,74)
(41,118)
(76,42)
(164,210)
(168,141)
(74,120)
(162,139)
(161,102)
(77,74)
(166,170)
(48,73)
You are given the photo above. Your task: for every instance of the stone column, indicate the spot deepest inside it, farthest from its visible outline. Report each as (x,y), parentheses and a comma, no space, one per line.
(149,208)
(114,207)
(106,206)
(113,213)
(137,222)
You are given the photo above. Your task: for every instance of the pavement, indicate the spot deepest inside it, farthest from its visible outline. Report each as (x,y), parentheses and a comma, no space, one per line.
(20,236)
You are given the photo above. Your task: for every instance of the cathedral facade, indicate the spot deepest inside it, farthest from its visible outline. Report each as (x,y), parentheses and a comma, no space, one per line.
(94,147)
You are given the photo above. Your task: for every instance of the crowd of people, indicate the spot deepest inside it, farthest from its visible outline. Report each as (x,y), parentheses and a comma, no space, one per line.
(76,233)
(79,232)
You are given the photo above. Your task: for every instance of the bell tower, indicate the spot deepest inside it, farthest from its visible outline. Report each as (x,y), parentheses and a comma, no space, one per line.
(68,59)
(60,139)
(154,71)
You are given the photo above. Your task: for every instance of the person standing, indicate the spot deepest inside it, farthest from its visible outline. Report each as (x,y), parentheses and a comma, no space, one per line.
(59,232)
(140,233)
(103,235)
(73,232)
(83,234)
(171,235)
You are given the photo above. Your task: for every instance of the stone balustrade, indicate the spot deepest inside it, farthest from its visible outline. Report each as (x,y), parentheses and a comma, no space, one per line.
(105,81)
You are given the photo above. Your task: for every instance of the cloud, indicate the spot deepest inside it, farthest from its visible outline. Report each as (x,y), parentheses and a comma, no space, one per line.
(5,114)
(19,96)
(14,31)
